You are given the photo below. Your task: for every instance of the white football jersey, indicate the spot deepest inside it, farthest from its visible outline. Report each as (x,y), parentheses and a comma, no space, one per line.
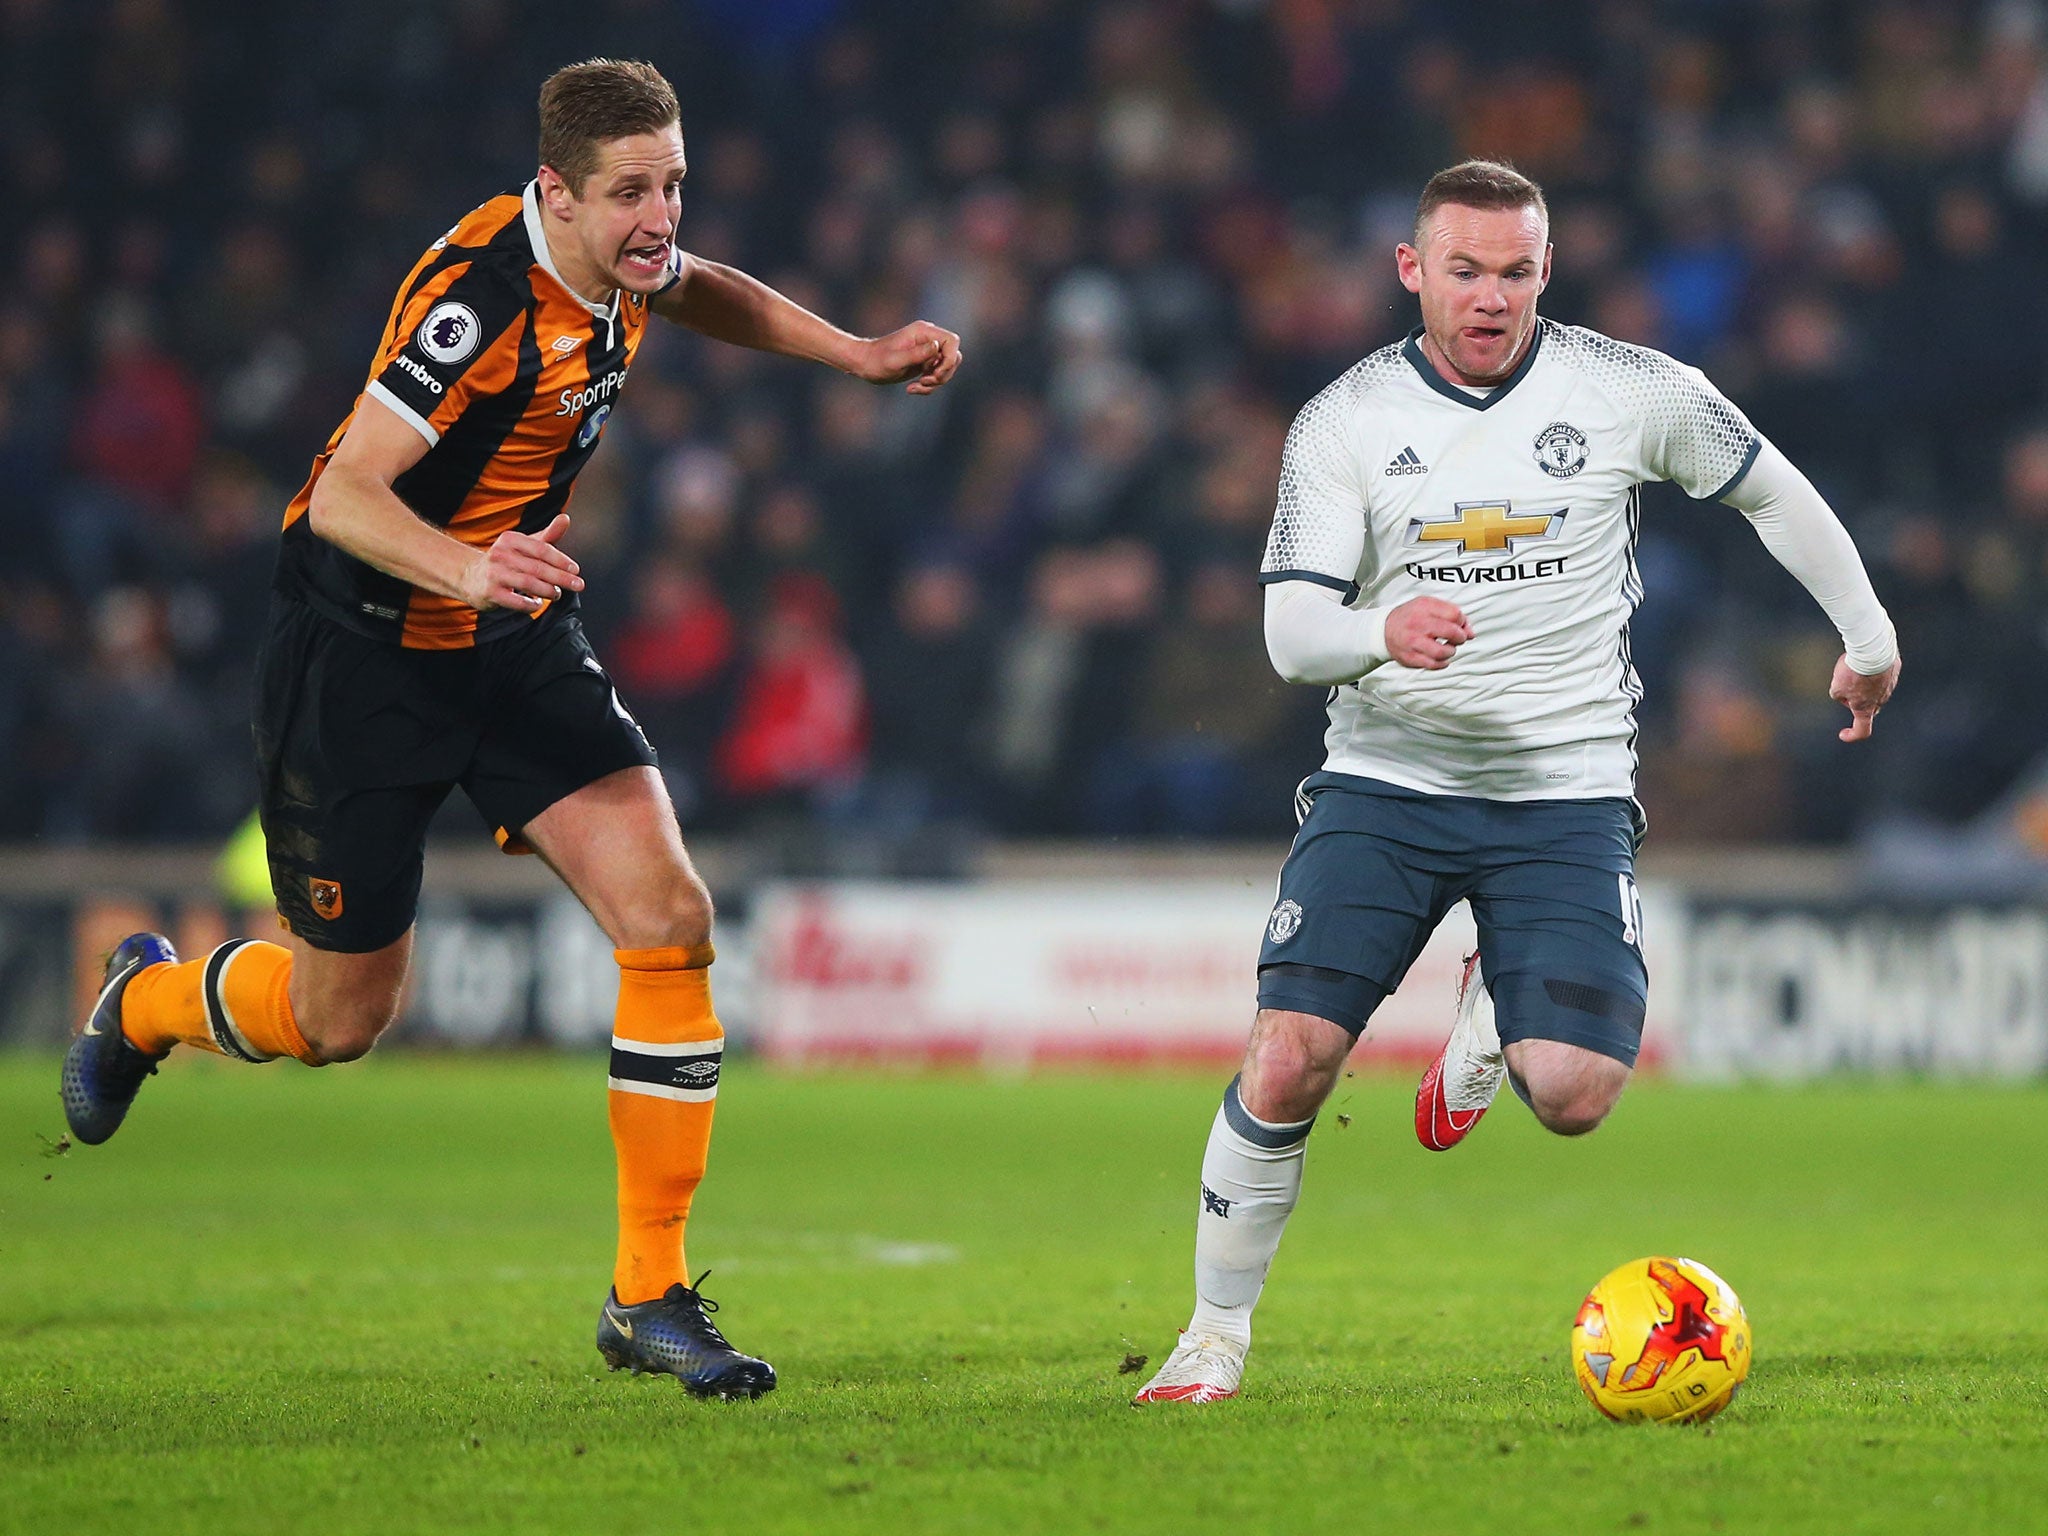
(1521,506)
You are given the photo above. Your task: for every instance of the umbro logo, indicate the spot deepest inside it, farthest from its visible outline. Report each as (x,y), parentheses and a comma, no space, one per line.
(1406,463)
(567,343)
(697,1072)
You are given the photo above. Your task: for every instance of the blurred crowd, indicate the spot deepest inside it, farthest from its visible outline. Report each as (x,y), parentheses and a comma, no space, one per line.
(1026,605)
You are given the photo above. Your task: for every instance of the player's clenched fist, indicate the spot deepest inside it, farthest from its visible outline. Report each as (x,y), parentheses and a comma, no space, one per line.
(925,354)
(1426,632)
(522,570)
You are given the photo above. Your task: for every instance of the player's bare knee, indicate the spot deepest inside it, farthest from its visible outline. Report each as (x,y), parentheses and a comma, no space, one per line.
(1289,1067)
(1573,1118)
(336,1033)
(1579,1105)
(676,914)
(1280,1092)
(341,1025)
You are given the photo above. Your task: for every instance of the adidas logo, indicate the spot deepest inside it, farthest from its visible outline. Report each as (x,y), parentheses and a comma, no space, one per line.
(1405,463)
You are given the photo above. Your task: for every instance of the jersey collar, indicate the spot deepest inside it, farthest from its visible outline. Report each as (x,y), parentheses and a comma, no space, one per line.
(1412,350)
(544,259)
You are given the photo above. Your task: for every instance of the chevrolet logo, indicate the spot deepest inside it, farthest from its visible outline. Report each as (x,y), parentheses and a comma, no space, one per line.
(1486,527)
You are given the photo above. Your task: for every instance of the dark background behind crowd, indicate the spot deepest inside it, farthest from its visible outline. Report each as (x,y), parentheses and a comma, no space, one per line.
(1027,605)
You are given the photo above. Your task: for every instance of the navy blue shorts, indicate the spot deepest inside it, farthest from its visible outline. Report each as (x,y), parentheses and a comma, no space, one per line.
(1552,885)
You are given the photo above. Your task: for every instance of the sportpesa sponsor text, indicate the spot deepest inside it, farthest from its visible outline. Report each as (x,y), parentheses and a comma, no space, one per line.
(574,400)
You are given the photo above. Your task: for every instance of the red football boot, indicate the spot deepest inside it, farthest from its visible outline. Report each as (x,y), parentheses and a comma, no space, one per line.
(1467,1072)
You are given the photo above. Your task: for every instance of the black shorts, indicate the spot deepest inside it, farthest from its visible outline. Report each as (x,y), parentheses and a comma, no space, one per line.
(358,741)
(1552,885)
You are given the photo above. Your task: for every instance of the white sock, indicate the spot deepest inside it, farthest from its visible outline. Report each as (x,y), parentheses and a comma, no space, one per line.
(1251,1177)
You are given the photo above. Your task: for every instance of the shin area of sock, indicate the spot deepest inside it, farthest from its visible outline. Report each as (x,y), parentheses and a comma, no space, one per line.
(667,1046)
(1251,1179)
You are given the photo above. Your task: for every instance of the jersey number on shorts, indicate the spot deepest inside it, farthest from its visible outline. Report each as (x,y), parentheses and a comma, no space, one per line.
(1631,912)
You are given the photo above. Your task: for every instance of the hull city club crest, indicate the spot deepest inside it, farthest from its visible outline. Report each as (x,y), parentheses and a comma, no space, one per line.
(1561,450)
(326,897)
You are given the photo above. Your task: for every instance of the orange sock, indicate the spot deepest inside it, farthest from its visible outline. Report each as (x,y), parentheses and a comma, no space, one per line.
(666,1048)
(235,1002)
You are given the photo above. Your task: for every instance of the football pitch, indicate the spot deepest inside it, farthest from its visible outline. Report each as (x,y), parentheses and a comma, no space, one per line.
(363,1300)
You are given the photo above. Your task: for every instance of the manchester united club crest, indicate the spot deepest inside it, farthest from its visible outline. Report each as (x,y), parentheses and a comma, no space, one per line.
(1285,922)
(1561,450)
(326,896)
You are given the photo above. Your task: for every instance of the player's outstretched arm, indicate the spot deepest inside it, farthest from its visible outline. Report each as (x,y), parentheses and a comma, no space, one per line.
(355,509)
(726,304)
(1802,532)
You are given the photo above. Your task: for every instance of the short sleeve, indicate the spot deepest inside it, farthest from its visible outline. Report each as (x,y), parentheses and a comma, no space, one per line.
(676,258)
(449,342)
(1693,435)
(1684,430)
(1319,524)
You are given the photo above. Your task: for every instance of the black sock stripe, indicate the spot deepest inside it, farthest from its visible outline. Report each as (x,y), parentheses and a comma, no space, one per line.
(216,1010)
(698,1071)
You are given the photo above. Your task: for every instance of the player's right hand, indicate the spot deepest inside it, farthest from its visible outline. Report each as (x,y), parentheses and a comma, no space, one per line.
(1863,694)
(925,354)
(1426,632)
(522,571)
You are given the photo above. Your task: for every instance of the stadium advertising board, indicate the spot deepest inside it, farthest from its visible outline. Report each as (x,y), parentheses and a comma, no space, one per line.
(1773,991)
(1011,975)
(1022,974)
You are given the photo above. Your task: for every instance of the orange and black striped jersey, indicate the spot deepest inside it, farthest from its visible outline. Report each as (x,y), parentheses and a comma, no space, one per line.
(509,375)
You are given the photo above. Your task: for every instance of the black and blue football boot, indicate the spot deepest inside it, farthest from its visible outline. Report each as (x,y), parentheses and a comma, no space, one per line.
(673,1335)
(102,1071)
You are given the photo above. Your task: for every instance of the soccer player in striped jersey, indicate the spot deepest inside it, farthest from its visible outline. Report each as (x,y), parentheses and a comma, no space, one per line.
(424,635)
(1453,557)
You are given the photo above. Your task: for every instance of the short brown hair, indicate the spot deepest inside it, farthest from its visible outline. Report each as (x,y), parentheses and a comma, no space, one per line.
(1479,184)
(592,103)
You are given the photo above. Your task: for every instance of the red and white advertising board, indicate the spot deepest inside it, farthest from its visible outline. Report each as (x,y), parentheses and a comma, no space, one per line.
(1023,974)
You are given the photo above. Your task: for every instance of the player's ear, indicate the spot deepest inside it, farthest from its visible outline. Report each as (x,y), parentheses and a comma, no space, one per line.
(554,191)
(1543,282)
(1408,266)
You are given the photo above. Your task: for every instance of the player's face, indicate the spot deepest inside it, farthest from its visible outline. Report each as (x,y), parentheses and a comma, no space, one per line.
(1478,272)
(625,221)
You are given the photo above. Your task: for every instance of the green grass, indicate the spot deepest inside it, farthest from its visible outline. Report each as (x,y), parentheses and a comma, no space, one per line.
(362,1300)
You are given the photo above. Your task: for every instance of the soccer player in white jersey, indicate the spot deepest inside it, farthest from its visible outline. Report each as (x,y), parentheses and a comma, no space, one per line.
(1453,557)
